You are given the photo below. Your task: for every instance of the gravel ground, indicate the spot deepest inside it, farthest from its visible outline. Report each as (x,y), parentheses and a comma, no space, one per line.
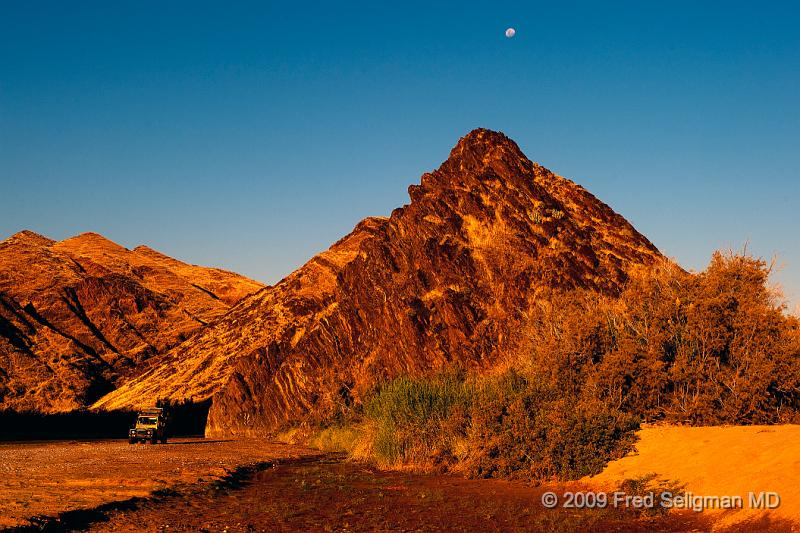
(46,478)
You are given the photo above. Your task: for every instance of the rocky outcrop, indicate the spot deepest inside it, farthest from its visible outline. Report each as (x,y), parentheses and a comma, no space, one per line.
(446,279)
(78,317)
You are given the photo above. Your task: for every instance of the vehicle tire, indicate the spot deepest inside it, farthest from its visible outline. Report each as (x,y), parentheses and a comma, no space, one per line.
(153,440)
(131,441)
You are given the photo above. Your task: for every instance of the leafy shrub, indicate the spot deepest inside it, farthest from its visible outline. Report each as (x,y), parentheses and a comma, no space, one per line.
(524,427)
(709,348)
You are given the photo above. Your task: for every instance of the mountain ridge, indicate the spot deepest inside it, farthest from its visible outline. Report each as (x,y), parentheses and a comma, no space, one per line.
(79,316)
(443,280)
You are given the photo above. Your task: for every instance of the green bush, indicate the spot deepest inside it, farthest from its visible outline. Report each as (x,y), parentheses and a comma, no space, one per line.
(524,427)
(710,348)
(502,426)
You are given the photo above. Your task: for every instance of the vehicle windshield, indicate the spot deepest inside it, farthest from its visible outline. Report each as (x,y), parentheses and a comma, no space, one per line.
(148,420)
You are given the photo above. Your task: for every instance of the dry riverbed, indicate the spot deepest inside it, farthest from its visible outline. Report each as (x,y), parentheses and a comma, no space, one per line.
(328,493)
(48,478)
(249,485)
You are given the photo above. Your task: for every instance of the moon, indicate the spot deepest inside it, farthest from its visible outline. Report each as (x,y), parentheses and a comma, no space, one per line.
(510,32)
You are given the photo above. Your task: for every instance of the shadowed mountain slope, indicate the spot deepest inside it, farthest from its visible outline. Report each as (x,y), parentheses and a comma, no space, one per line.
(445,279)
(80,315)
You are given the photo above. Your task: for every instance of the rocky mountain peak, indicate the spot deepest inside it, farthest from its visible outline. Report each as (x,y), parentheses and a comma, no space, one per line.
(485,153)
(484,145)
(89,242)
(485,168)
(28,237)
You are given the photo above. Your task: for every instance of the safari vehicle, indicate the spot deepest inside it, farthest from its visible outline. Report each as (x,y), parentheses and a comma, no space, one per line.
(151,425)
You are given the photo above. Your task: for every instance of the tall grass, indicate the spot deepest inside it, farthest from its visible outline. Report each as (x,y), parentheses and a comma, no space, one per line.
(408,419)
(507,425)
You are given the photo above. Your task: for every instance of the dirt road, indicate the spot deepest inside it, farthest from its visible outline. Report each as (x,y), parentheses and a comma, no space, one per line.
(48,478)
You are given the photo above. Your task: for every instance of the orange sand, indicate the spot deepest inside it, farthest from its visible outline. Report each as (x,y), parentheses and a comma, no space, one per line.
(718,461)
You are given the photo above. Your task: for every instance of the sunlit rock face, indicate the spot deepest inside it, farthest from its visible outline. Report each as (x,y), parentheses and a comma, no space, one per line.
(446,279)
(78,317)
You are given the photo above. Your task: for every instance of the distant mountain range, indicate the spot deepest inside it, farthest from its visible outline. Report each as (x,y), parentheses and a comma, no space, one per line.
(78,317)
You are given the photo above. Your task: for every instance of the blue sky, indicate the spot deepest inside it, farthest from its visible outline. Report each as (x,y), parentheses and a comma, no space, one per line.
(253,136)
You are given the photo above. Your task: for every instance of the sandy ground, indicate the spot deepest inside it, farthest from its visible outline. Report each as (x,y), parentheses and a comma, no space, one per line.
(718,461)
(47,478)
